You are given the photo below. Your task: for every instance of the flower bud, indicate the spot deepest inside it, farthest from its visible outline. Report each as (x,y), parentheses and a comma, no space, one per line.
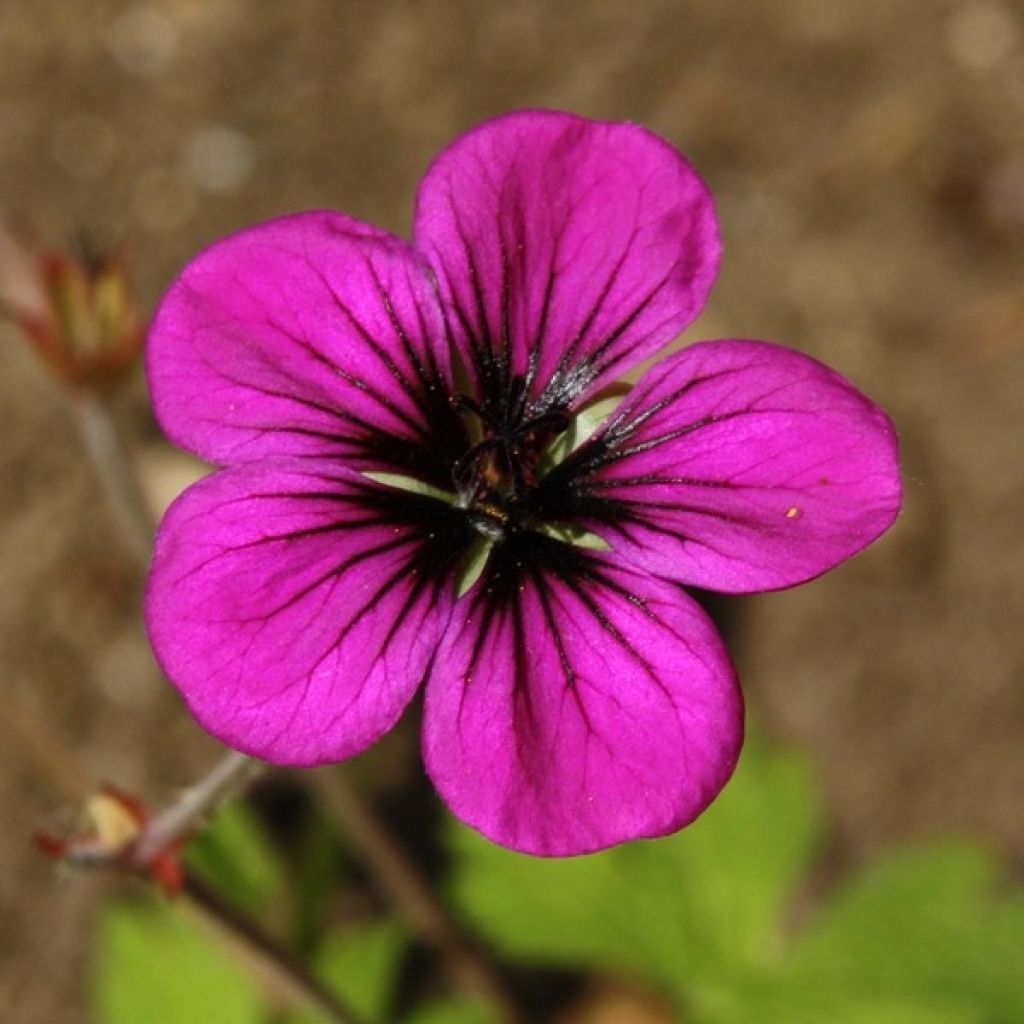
(78,313)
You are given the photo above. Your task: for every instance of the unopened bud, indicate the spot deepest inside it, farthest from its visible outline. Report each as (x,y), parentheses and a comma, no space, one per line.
(79,314)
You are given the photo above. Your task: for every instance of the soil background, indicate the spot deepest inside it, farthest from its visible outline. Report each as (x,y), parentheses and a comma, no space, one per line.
(867,158)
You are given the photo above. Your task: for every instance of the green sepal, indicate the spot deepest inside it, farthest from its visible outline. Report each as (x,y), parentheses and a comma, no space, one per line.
(473,564)
(574,535)
(582,427)
(409,483)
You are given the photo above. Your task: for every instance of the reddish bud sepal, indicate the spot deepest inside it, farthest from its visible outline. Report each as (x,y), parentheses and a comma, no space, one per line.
(115,822)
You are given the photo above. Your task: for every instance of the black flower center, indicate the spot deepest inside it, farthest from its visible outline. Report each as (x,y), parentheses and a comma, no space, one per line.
(497,477)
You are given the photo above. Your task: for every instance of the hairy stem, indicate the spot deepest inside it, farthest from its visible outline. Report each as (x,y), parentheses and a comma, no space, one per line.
(116,470)
(229,776)
(410,892)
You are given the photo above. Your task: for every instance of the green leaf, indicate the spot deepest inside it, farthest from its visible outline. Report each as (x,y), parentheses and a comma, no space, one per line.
(931,924)
(153,966)
(927,936)
(362,967)
(810,1005)
(450,1012)
(690,913)
(235,856)
(156,966)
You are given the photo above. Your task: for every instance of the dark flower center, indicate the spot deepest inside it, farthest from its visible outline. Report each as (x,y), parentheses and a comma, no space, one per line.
(497,477)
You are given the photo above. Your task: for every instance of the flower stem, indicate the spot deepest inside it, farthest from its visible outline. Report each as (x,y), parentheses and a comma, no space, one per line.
(283,973)
(266,960)
(403,882)
(229,776)
(116,470)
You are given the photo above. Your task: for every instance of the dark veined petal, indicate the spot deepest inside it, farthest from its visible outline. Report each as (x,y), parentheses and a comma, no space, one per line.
(312,334)
(296,607)
(566,250)
(575,704)
(735,466)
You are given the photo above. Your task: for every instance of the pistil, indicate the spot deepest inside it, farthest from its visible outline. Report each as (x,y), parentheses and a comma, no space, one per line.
(496,476)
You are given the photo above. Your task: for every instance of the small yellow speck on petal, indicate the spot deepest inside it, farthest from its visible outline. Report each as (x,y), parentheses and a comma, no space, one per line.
(793,512)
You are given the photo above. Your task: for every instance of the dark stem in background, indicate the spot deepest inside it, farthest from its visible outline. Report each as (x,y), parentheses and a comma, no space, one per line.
(409,890)
(279,968)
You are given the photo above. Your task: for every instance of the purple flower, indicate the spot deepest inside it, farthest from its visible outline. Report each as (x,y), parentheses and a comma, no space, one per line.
(425,481)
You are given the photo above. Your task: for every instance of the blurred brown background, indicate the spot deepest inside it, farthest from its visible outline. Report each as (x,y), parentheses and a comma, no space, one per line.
(868,161)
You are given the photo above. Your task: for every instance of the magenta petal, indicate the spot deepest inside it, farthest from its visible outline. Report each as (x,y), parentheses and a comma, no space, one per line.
(566,250)
(296,607)
(739,466)
(312,334)
(579,708)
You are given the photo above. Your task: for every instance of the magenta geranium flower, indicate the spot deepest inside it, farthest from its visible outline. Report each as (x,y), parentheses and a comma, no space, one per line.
(426,481)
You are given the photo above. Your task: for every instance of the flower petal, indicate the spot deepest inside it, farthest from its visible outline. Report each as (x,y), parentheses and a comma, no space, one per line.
(575,704)
(566,250)
(312,334)
(735,466)
(296,607)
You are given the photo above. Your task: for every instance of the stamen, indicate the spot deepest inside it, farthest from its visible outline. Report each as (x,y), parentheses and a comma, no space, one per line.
(495,477)
(467,470)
